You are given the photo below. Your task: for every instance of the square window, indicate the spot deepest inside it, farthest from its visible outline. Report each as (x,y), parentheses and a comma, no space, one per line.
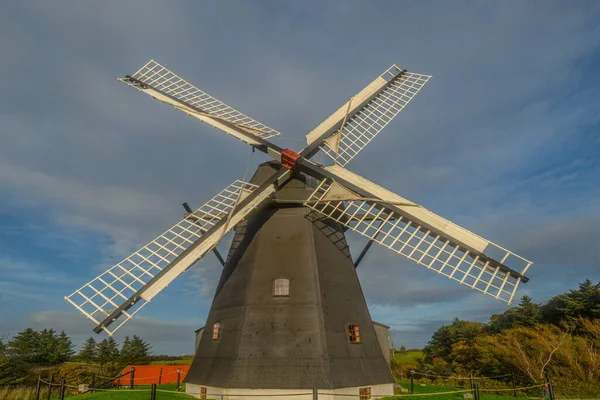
(353,333)
(281,287)
(364,393)
(202,392)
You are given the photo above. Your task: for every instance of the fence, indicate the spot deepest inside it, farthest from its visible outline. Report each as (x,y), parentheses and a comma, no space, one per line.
(547,391)
(154,392)
(127,376)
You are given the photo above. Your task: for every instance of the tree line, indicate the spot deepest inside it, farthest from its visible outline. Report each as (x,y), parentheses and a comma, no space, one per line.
(45,347)
(30,349)
(560,338)
(133,350)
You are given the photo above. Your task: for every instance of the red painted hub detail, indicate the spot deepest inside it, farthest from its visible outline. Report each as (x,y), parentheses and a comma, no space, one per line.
(289,158)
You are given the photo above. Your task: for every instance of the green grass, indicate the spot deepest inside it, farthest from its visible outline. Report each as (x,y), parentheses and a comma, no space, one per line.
(437,389)
(125,394)
(408,357)
(172,362)
(139,393)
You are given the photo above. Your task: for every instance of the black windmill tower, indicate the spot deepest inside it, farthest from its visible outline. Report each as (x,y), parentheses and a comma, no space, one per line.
(289,313)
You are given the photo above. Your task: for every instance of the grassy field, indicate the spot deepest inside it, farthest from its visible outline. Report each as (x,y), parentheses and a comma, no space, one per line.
(172,362)
(451,396)
(408,357)
(143,393)
(139,393)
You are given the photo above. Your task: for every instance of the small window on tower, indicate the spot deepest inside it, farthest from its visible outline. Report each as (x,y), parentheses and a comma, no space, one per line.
(217,330)
(364,393)
(281,287)
(353,333)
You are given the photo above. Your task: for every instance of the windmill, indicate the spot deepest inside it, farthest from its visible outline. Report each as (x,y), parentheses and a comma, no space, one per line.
(289,312)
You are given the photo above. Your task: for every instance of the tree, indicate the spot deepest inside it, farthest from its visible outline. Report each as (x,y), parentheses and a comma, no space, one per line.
(582,302)
(24,346)
(440,345)
(64,347)
(134,350)
(89,351)
(141,349)
(126,351)
(47,347)
(108,352)
(527,314)
(12,371)
(2,348)
(402,349)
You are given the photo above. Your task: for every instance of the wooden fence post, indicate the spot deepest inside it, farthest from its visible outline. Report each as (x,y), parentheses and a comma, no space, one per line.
(93,383)
(550,388)
(50,386)
(472,381)
(178,378)
(315,394)
(38,388)
(476,391)
(160,376)
(62,389)
(412,382)
(153,392)
(131,377)
(513,385)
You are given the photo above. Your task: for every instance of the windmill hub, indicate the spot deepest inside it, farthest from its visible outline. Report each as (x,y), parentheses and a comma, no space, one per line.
(289,158)
(289,314)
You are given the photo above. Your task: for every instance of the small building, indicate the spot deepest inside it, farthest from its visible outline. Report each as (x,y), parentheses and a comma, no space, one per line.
(149,374)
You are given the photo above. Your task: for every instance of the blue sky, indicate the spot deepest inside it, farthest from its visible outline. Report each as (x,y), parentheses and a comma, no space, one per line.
(504,140)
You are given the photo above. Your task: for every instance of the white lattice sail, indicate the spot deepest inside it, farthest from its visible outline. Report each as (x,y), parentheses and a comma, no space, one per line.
(99,297)
(387,96)
(155,76)
(420,235)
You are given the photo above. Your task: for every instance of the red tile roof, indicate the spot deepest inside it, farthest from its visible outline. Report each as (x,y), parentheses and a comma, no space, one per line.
(149,374)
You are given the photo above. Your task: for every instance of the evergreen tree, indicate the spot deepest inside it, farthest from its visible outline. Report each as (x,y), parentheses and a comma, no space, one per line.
(526,314)
(89,351)
(2,348)
(13,371)
(134,350)
(140,349)
(582,302)
(126,351)
(107,352)
(530,313)
(64,347)
(24,346)
(47,347)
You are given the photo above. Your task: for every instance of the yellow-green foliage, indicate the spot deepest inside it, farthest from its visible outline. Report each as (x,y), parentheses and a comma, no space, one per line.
(75,374)
(404,361)
(572,360)
(408,357)
(23,393)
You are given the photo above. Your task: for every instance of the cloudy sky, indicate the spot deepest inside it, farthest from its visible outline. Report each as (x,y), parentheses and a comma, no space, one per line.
(503,140)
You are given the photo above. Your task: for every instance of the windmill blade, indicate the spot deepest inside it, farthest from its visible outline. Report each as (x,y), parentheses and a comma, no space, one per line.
(165,86)
(418,234)
(129,285)
(348,130)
